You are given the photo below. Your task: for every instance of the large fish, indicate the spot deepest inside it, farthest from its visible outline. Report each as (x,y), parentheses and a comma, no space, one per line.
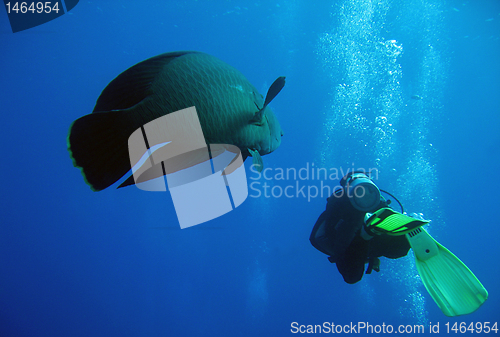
(230,110)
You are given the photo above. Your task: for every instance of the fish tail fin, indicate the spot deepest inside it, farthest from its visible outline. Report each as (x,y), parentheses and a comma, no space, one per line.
(98,145)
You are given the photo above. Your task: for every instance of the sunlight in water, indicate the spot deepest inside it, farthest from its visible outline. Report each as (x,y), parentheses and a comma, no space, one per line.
(257,292)
(379,116)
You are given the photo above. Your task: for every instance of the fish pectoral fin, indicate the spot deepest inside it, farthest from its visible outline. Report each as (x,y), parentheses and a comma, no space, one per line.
(258,118)
(274,90)
(256,160)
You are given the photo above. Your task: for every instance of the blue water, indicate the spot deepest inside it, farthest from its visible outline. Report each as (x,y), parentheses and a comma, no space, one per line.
(115,263)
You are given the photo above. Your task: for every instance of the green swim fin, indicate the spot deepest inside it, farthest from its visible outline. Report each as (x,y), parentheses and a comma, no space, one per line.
(452,285)
(387,221)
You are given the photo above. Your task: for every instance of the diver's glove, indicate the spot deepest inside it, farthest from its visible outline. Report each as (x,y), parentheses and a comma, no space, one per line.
(373,264)
(389,222)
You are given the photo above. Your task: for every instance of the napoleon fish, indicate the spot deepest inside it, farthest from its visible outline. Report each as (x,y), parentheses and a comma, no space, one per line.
(230,110)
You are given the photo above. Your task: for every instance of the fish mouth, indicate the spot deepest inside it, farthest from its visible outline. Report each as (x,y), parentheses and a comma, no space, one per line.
(271,140)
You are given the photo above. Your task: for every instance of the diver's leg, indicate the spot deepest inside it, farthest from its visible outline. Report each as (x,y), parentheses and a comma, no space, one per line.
(352,264)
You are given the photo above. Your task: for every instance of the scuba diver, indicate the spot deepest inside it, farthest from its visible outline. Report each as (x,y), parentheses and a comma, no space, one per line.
(341,232)
(358,227)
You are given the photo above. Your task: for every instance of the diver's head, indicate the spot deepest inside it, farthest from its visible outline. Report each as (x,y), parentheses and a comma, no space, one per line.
(363,194)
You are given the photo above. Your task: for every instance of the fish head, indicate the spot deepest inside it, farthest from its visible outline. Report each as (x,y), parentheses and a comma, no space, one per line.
(271,133)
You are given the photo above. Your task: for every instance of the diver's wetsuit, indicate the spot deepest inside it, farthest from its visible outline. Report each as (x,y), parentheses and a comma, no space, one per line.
(337,234)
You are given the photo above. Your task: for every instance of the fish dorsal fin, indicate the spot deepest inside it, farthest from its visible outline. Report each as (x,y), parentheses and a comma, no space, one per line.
(274,90)
(132,86)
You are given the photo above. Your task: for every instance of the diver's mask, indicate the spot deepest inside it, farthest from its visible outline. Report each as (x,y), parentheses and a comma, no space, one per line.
(363,194)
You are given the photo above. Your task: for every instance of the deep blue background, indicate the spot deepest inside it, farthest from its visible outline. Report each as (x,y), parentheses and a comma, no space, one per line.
(115,263)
